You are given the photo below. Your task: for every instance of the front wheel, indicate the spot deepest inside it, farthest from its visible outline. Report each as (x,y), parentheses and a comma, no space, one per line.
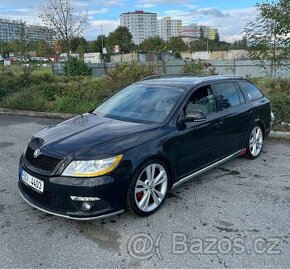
(148,189)
(255,142)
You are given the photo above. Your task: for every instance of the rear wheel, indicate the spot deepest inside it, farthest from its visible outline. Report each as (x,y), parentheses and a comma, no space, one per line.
(148,189)
(255,142)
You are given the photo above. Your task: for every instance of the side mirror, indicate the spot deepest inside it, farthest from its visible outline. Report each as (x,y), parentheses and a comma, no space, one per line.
(194,116)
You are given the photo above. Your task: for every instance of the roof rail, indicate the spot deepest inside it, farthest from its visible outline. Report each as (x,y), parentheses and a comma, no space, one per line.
(171,75)
(230,76)
(191,75)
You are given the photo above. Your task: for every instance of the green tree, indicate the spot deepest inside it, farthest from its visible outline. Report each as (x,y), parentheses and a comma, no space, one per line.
(78,42)
(76,67)
(154,43)
(217,38)
(122,37)
(266,36)
(176,44)
(201,34)
(97,44)
(279,12)
(240,44)
(21,43)
(42,48)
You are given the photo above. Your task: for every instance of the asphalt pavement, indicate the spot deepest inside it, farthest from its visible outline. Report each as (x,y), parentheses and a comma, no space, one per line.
(235,216)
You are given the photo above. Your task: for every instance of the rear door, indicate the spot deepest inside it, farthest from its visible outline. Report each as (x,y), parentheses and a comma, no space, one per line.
(237,115)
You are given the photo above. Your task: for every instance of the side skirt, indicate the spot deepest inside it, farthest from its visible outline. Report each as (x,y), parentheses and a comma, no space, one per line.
(197,173)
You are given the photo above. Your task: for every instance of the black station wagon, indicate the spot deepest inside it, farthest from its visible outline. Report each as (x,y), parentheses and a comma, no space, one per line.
(142,142)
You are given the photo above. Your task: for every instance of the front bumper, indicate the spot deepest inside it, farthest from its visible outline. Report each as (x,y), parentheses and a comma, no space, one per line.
(56,198)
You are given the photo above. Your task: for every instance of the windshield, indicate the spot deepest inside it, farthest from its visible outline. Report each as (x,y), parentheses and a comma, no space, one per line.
(141,103)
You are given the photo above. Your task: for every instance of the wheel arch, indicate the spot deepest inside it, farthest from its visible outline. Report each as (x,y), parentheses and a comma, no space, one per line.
(167,163)
(259,122)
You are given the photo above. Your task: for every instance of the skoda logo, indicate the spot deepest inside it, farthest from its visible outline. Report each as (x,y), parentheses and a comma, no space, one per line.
(36,153)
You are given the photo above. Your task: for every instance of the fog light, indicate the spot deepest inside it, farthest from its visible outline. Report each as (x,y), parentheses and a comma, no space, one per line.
(86,206)
(84,199)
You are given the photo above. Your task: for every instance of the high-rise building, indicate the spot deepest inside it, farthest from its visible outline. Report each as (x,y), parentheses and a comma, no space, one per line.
(140,24)
(16,29)
(213,32)
(167,28)
(192,31)
(196,31)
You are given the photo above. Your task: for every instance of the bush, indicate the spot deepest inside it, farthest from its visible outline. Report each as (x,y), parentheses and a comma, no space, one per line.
(278,91)
(75,67)
(28,99)
(199,68)
(126,74)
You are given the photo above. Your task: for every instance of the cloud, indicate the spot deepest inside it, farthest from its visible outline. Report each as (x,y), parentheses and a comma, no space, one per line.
(143,4)
(96,27)
(112,3)
(211,12)
(230,23)
(166,1)
(100,11)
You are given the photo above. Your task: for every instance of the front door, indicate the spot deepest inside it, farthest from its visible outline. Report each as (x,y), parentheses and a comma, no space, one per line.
(198,144)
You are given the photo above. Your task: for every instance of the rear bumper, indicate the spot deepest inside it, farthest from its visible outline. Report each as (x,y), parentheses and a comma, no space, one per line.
(56,197)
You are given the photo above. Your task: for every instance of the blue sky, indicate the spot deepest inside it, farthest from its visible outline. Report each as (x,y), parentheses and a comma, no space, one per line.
(229,17)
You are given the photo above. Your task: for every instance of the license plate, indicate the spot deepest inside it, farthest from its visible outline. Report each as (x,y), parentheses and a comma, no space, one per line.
(34,183)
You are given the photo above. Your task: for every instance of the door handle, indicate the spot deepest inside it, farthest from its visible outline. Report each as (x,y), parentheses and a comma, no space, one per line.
(219,123)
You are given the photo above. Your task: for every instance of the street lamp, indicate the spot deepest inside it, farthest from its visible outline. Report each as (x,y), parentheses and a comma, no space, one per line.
(102,36)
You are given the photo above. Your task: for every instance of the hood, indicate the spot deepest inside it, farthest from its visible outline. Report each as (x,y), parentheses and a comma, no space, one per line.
(85,132)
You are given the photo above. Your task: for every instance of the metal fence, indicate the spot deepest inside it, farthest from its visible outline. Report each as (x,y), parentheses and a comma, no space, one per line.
(245,68)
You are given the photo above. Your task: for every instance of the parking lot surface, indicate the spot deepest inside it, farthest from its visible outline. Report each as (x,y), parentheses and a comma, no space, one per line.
(237,215)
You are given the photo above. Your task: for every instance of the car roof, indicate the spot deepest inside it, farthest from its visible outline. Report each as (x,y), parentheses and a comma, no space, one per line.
(186,81)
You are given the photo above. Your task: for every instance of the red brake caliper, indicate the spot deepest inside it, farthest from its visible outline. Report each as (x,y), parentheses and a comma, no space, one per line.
(139,196)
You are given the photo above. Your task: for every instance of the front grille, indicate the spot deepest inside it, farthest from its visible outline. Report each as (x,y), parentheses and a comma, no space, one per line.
(47,199)
(42,162)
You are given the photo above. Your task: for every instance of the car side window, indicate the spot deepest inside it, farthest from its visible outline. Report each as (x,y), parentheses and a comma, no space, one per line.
(250,90)
(227,94)
(202,100)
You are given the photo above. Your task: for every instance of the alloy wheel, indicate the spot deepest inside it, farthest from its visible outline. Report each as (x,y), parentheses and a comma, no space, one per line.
(256,141)
(151,187)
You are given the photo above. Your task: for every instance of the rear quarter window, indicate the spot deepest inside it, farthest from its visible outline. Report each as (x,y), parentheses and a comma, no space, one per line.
(250,90)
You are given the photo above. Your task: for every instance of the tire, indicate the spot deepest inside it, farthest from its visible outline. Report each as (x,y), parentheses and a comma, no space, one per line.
(255,142)
(144,196)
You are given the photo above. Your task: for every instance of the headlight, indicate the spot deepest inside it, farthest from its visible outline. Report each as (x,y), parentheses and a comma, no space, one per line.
(92,168)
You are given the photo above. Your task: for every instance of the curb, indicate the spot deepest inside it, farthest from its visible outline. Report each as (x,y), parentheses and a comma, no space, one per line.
(50,115)
(280,135)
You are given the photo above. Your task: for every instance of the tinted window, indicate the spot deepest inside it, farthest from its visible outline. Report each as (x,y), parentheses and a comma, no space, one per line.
(250,90)
(141,103)
(227,94)
(202,100)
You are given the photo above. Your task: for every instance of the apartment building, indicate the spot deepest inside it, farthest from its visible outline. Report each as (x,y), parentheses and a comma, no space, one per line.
(168,28)
(140,24)
(196,31)
(15,29)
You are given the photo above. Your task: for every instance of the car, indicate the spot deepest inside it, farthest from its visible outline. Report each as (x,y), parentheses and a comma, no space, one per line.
(142,142)
(11,59)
